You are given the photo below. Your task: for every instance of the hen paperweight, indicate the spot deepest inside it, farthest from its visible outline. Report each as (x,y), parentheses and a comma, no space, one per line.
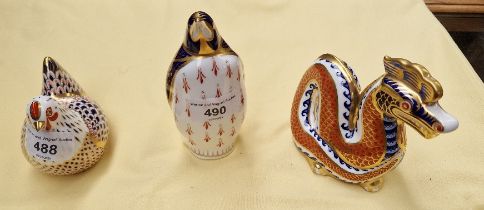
(64,132)
(205,90)
(358,136)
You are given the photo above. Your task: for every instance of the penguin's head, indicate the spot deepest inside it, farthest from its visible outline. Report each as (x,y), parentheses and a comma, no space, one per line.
(202,36)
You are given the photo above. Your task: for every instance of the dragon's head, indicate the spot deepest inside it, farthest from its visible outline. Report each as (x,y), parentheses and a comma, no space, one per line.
(202,36)
(409,93)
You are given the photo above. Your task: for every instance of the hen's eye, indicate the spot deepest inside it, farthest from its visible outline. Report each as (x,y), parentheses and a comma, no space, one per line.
(48,111)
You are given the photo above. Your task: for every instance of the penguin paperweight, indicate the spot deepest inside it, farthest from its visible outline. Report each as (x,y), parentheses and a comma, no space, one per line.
(205,90)
(64,132)
(358,136)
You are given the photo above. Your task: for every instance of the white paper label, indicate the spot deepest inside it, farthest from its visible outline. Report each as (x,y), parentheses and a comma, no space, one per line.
(55,147)
(214,109)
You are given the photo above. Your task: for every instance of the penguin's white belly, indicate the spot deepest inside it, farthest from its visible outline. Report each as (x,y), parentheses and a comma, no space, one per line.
(209,104)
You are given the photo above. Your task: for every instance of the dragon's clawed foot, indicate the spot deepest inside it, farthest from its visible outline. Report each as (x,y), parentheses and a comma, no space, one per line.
(316,167)
(373,185)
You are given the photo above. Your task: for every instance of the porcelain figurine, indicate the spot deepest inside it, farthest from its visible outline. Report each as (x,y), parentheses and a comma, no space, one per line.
(64,131)
(205,89)
(358,136)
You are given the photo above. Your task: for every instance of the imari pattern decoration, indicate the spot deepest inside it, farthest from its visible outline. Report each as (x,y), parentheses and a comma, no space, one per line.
(358,136)
(205,89)
(64,131)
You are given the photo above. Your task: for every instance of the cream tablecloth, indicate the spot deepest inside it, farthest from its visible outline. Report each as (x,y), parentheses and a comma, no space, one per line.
(119,51)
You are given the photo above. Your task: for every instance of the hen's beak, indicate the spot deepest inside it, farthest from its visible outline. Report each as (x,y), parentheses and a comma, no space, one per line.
(38,125)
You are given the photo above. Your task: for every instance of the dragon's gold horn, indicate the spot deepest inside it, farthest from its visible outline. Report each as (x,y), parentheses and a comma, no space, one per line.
(414,76)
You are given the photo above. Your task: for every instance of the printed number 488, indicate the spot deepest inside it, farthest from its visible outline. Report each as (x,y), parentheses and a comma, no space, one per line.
(45,148)
(215,111)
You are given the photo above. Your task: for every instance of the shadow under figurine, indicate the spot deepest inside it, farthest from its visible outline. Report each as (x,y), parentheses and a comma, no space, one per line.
(358,136)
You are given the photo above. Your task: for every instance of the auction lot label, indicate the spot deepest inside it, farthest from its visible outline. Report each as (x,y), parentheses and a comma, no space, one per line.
(50,146)
(214,109)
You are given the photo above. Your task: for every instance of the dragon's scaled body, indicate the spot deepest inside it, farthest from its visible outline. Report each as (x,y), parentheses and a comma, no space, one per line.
(357,136)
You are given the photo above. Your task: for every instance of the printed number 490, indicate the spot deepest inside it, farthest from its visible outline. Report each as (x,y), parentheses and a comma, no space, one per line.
(215,111)
(45,148)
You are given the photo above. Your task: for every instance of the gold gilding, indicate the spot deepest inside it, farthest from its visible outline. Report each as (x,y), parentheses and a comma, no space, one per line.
(201,29)
(354,88)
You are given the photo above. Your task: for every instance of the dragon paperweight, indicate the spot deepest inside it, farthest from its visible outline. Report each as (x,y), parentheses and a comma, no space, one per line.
(64,131)
(358,136)
(205,89)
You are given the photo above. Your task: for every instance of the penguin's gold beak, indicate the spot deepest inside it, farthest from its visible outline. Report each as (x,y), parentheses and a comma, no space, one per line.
(200,30)
(38,125)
